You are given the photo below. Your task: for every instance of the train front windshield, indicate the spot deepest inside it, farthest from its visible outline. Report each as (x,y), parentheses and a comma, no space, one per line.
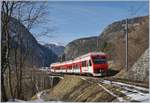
(99,60)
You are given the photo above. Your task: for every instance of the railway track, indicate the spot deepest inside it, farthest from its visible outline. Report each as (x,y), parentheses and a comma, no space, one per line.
(132,92)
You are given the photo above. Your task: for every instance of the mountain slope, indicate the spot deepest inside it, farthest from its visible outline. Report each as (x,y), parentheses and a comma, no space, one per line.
(112,41)
(57,49)
(138,34)
(79,47)
(34,54)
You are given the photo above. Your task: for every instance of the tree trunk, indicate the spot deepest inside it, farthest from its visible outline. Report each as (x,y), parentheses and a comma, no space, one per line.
(3,91)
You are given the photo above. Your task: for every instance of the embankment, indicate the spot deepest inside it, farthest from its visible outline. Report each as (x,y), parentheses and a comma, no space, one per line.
(76,89)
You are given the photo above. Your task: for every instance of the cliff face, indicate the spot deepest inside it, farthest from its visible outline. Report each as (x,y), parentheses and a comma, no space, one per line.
(112,41)
(34,54)
(140,69)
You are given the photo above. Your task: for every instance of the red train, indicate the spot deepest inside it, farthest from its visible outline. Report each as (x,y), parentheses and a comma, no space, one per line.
(94,63)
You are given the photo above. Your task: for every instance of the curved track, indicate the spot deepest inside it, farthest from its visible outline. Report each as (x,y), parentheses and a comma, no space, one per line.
(132,92)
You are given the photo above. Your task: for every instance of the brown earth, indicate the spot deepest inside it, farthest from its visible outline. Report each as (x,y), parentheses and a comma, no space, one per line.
(75,89)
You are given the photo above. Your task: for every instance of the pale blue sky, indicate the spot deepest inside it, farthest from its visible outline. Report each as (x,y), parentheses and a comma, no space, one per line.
(73,20)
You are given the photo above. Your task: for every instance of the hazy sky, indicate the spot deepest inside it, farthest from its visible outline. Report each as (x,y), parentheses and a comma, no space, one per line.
(73,20)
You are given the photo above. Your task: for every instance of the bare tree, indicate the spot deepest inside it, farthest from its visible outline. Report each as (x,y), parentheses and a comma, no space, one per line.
(7,9)
(33,16)
(29,17)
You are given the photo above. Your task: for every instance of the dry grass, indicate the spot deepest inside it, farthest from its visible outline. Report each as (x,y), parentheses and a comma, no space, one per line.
(74,89)
(64,87)
(34,97)
(29,79)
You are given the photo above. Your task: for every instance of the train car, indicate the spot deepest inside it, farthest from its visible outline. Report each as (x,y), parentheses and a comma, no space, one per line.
(94,63)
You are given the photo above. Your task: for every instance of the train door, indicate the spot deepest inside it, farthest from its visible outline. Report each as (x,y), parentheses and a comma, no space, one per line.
(84,67)
(89,66)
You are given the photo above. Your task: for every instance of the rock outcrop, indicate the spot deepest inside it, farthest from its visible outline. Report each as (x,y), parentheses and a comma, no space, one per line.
(140,70)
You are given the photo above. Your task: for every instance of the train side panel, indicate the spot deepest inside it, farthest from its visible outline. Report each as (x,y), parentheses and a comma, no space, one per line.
(90,64)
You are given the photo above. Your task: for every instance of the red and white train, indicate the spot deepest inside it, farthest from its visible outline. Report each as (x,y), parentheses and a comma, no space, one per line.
(94,63)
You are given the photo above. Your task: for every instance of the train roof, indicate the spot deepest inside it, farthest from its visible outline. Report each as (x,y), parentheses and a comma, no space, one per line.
(77,58)
(91,53)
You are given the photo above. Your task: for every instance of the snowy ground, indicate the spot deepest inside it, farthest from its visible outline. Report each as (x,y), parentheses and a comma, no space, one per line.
(39,97)
(125,85)
(134,93)
(16,100)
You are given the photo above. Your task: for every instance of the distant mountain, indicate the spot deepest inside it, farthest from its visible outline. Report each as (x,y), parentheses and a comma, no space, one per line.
(34,54)
(80,46)
(57,49)
(112,41)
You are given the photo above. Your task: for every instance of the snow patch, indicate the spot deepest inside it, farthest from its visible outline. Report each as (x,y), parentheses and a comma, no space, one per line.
(82,78)
(138,96)
(16,100)
(125,85)
(131,91)
(39,99)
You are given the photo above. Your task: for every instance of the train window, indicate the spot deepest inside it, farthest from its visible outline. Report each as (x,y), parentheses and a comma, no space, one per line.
(83,63)
(99,60)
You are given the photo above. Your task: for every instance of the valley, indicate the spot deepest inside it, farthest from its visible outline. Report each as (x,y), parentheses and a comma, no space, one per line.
(109,66)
